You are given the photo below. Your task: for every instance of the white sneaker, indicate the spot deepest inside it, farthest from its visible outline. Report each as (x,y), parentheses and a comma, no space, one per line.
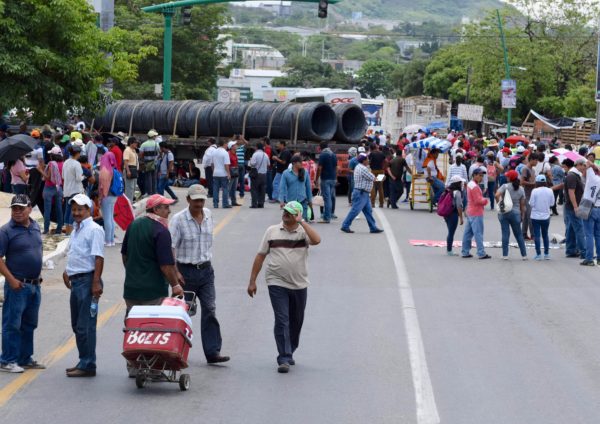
(505,258)
(12,367)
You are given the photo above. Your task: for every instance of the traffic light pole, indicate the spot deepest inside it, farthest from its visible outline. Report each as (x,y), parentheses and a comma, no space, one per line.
(167,52)
(506,70)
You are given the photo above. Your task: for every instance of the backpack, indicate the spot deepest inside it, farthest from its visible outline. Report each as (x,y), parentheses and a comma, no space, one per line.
(117,187)
(491,171)
(446,204)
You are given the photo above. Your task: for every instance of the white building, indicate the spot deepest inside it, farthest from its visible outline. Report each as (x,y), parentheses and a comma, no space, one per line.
(253,56)
(250,82)
(279,8)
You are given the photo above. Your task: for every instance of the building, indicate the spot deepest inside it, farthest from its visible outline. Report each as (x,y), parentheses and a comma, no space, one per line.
(253,56)
(250,82)
(347,66)
(278,8)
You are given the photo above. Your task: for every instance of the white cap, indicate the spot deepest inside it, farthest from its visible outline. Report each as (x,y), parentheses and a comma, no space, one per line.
(152,133)
(55,151)
(456,179)
(231,144)
(361,149)
(81,200)
(520,149)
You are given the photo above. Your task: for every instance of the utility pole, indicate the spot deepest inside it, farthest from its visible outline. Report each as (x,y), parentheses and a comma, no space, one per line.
(506,70)
(598,86)
(469,72)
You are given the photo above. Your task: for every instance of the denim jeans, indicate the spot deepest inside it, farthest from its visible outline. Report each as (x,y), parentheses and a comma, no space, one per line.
(592,234)
(361,202)
(288,308)
(53,194)
(473,228)
(438,188)
(508,221)
(276,182)
(526,227)
(257,190)
(328,192)
(19,320)
(220,184)
(241,180)
(574,234)
(130,188)
(452,224)
(107,207)
(232,189)
(540,229)
(208,172)
(150,182)
(350,186)
(164,184)
(202,282)
(491,188)
(82,323)
(68,218)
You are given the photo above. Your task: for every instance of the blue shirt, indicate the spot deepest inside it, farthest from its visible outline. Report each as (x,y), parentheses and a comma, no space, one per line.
(291,188)
(22,248)
(328,164)
(85,244)
(240,152)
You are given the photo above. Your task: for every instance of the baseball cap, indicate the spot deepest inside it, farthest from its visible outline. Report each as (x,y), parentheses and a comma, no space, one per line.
(20,200)
(540,179)
(81,200)
(78,143)
(231,144)
(56,151)
(152,133)
(477,171)
(512,175)
(456,179)
(506,150)
(520,149)
(76,148)
(362,157)
(293,207)
(156,200)
(35,134)
(361,149)
(197,191)
(77,135)
(65,138)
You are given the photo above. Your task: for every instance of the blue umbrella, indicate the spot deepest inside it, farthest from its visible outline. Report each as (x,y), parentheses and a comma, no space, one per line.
(595,137)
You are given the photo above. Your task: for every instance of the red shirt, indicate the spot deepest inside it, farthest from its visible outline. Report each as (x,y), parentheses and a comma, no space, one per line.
(233,159)
(118,155)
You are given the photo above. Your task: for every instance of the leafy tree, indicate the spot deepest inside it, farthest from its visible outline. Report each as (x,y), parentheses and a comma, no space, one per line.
(308,73)
(53,62)
(374,78)
(407,79)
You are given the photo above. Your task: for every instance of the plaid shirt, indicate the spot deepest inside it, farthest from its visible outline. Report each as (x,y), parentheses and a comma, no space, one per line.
(192,242)
(363,179)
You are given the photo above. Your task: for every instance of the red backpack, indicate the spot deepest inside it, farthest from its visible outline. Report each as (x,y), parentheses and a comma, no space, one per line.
(446,204)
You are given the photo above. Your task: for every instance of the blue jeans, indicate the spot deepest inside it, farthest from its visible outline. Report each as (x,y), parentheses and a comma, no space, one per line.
(164,184)
(68,218)
(473,228)
(232,188)
(438,188)
(540,228)
(508,221)
(491,191)
(592,234)
(350,186)
(202,282)
(107,207)
(240,180)
(220,184)
(82,323)
(574,234)
(19,320)
(288,308)
(276,182)
(361,202)
(328,192)
(452,224)
(53,194)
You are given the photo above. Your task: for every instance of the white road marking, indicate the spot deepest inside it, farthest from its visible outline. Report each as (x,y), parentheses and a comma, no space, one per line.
(427,412)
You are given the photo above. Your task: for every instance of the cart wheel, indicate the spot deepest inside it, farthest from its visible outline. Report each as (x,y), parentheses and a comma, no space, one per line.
(184,382)
(412,204)
(140,381)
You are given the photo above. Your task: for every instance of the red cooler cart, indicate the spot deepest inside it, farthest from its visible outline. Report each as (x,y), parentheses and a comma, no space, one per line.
(158,339)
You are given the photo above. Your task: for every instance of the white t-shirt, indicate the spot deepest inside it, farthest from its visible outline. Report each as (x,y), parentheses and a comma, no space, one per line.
(541,200)
(33,158)
(592,187)
(207,158)
(220,158)
(542,168)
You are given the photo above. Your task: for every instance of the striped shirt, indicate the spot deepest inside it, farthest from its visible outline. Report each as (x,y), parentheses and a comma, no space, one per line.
(459,170)
(240,152)
(192,242)
(363,178)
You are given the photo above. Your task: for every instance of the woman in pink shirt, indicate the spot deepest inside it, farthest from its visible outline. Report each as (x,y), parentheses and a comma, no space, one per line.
(53,193)
(108,162)
(19,177)
(475,207)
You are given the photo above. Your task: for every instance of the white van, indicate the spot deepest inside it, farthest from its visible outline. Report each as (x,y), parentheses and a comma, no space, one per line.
(327,95)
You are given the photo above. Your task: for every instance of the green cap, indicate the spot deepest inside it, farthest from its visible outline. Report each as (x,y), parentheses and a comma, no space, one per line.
(294,208)
(65,138)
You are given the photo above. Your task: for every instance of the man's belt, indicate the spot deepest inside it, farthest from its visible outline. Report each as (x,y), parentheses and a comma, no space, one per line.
(33,281)
(79,275)
(200,265)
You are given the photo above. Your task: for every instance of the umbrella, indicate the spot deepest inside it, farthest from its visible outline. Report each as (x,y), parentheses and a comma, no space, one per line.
(12,148)
(595,137)
(413,128)
(563,154)
(514,139)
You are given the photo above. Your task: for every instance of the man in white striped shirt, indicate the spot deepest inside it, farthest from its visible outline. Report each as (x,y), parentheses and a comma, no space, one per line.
(192,235)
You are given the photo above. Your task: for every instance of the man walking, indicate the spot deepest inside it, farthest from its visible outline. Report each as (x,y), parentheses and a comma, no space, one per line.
(149,151)
(361,202)
(475,207)
(192,236)
(327,175)
(286,244)
(73,183)
(575,243)
(221,175)
(166,171)
(395,171)
(83,276)
(207,164)
(240,152)
(21,248)
(258,179)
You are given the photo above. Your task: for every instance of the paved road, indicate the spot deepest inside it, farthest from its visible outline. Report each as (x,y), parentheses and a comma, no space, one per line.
(504,342)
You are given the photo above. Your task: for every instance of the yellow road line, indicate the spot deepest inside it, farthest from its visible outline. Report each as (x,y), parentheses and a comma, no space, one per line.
(8,391)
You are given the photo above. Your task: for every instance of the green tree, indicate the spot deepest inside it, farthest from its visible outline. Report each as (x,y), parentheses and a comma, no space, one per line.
(374,78)
(407,79)
(308,73)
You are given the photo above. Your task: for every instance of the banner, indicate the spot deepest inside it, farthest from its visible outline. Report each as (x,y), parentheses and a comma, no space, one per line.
(509,94)
(470,112)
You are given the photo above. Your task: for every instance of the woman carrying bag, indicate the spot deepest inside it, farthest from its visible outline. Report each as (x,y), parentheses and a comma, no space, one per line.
(511,209)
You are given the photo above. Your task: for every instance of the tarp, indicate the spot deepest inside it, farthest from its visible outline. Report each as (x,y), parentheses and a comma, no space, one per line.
(557,123)
(430,143)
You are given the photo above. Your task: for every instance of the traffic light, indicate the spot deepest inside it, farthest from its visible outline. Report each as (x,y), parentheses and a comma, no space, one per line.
(187,15)
(323,8)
